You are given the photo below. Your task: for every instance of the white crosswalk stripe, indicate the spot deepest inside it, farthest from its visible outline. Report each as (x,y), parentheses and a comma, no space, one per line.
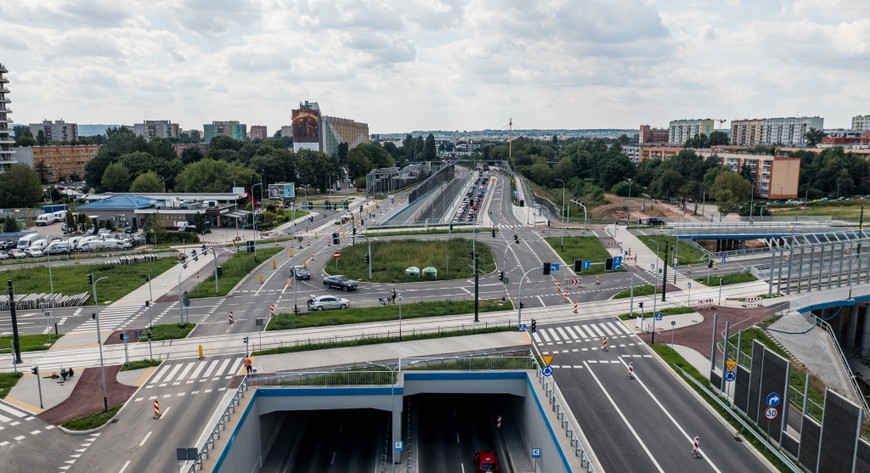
(553,334)
(619,328)
(190,371)
(606,329)
(586,333)
(111,318)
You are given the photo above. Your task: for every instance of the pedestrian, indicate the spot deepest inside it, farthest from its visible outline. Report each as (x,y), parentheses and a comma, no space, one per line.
(63,374)
(393,295)
(70,373)
(248,365)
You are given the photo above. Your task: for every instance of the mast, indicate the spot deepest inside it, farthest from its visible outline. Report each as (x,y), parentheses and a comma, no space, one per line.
(510,139)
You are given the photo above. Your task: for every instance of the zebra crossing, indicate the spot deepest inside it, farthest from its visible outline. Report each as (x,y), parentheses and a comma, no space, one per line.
(111,318)
(580,333)
(197,371)
(11,417)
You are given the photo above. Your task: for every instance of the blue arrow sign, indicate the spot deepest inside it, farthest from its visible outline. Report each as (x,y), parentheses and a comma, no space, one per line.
(689,284)
(587,264)
(659,316)
(536,453)
(397,446)
(522,328)
(617,263)
(730,376)
(547,371)
(773,399)
(554,266)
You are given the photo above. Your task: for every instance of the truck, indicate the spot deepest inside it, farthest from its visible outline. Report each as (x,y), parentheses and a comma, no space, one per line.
(49,209)
(183,226)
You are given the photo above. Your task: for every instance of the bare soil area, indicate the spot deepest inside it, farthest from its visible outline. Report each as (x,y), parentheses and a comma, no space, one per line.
(640,208)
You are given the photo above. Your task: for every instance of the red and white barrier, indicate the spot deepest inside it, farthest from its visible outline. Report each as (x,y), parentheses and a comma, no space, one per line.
(156,409)
(751,302)
(576,307)
(696,447)
(231,318)
(597,280)
(630,370)
(272,310)
(704,304)
(604,343)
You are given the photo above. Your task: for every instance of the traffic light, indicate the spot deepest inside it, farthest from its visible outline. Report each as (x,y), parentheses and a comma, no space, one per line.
(346,205)
(516,238)
(710,264)
(608,264)
(91,279)
(245,340)
(534,325)
(546,269)
(451,227)
(640,304)
(578,265)
(522,305)
(354,230)
(220,271)
(501,275)
(121,337)
(149,335)
(147,303)
(367,259)
(493,232)
(35,370)
(335,239)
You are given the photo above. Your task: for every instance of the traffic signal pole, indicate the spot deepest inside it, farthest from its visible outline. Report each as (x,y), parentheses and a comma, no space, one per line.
(16,345)
(665,275)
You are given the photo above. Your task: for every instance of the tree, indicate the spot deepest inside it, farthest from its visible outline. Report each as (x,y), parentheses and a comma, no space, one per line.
(23,136)
(209,175)
(191,155)
(147,182)
(116,178)
(10,224)
(42,171)
(20,187)
(41,139)
(358,163)
(729,190)
(429,151)
(814,137)
(342,153)
(96,167)
(718,138)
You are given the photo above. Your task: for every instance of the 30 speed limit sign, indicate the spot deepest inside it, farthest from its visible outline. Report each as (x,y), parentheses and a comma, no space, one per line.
(770,413)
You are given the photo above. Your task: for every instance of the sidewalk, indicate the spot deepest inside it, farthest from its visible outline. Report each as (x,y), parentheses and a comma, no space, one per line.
(645,257)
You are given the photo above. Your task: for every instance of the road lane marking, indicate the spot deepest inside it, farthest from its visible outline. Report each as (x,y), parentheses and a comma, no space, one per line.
(562,333)
(127,463)
(144,440)
(553,334)
(624,419)
(595,327)
(680,428)
(616,328)
(571,332)
(457,438)
(541,301)
(546,337)
(606,329)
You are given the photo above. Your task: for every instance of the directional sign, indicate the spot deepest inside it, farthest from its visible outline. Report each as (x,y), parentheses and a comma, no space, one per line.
(730,364)
(730,376)
(689,284)
(673,322)
(554,266)
(773,399)
(547,359)
(587,264)
(336,255)
(397,446)
(547,371)
(659,316)
(617,263)
(522,328)
(771,412)
(536,453)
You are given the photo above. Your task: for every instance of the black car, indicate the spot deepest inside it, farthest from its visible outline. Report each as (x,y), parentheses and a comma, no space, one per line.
(655,221)
(301,272)
(340,282)
(130,230)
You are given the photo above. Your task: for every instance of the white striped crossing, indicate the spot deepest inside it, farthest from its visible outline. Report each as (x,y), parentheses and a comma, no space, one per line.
(111,318)
(188,372)
(582,333)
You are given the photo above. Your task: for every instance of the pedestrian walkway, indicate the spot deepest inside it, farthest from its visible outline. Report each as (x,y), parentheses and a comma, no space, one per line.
(580,333)
(197,371)
(643,256)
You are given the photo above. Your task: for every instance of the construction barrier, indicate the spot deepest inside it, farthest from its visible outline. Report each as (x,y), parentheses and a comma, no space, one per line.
(576,307)
(156,409)
(597,280)
(689,267)
(604,343)
(751,302)
(231,318)
(696,447)
(272,310)
(704,304)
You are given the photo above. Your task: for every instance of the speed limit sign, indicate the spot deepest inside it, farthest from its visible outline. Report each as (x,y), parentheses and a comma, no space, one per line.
(770,413)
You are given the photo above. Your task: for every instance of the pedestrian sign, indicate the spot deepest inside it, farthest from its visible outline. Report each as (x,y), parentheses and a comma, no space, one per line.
(730,376)
(547,371)
(659,316)
(536,453)
(522,328)
(547,359)
(770,413)
(730,364)
(689,284)
(397,446)
(773,399)
(587,264)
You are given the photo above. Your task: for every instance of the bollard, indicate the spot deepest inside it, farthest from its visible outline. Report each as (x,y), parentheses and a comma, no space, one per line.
(156,409)
(305,264)
(289,282)
(261,278)
(274,264)
(291,252)
(200,352)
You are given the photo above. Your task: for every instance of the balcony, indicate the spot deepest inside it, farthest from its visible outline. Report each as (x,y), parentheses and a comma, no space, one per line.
(3,90)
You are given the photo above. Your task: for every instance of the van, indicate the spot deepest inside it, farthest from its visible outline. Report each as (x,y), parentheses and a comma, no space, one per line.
(57,247)
(26,240)
(112,244)
(90,245)
(39,244)
(59,216)
(44,219)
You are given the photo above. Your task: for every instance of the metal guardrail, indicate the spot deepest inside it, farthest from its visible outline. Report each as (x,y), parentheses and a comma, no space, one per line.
(741,252)
(555,399)
(720,226)
(857,389)
(221,425)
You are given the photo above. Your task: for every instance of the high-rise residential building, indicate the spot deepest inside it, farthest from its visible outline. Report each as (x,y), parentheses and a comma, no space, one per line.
(651,136)
(151,129)
(57,131)
(343,130)
(789,131)
(861,122)
(773,177)
(7,154)
(258,132)
(306,127)
(747,132)
(287,130)
(680,131)
(60,161)
(233,129)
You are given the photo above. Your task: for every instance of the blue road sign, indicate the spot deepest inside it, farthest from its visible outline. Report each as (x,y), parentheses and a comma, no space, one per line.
(675,266)
(689,284)
(587,264)
(773,399)
(536,453)
(522,328)
(659,316)
(397,446)
(554,266)
(547,371)
(617,263)
(730,376)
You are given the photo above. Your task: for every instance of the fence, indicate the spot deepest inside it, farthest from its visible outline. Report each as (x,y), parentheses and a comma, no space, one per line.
(857,390)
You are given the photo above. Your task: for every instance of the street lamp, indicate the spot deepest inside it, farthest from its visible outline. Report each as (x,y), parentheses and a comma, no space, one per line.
(180,298)
(99,338)
(751,199)
(585,216)
(628,218)
(655,288)
(520,297)
(561,213)
(504,265)
(254,209)
(476,277)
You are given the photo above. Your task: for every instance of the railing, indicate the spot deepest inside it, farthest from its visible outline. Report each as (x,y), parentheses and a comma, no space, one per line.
(821,323)
(742,252)
(208,444)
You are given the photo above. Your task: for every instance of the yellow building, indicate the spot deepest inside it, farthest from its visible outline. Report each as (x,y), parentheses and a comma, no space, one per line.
(747,132)
(61,161)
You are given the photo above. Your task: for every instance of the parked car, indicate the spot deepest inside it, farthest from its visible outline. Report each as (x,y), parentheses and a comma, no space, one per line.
(339,281)
(7,245)
(301,272)
(328,302)
(17,254)
(57,247)
(654,221)
(485,462)
(130,230)
(793,202)
(34,252)
(4,255)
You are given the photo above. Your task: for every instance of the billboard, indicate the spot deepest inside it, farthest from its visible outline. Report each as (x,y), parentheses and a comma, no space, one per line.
(306,126)
(282,191)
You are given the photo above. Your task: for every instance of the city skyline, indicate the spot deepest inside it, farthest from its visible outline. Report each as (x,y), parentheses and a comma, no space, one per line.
(403,66)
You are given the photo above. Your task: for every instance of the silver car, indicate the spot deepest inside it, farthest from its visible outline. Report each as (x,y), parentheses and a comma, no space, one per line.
(328,302)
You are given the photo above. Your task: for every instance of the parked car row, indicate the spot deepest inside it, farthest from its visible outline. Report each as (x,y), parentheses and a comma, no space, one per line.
(33,245)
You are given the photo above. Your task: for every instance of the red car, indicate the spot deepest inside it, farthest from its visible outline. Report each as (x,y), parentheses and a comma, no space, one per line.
(484,462)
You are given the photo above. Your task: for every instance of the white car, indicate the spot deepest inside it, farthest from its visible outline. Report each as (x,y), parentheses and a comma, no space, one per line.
(34,252)
(17,254)
(4,255)
(328,302)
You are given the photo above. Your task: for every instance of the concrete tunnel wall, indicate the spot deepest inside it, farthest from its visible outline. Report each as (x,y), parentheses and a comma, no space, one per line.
(257,429)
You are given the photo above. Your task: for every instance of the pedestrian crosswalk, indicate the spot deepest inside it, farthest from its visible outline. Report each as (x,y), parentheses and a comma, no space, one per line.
(197,371)
(111,318)
(11,416)
(580,333)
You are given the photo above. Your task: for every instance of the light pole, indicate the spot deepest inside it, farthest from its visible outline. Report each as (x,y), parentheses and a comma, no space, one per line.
(254,209)
(520,297)
(476,277)
(751,199)
(628,218)
(215,253)
(180,298)
(99,338)
(655,288)
(585,216)
(504,266)
(561,214)
(369,243)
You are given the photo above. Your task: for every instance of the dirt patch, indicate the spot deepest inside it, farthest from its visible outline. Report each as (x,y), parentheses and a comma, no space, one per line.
(640,208)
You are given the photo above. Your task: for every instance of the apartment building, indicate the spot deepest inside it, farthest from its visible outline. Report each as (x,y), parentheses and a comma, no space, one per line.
(652,136)
(7,153)
(680,131)
(747,132)
(233,129)
(61,161)
(258,132)
(151,129)
(343,130)
(789,131)
(57,131)
(861,122)
(774,177)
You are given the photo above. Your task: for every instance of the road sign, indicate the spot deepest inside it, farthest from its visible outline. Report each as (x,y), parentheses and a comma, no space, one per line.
(397,446)
(770,413)
(773,399)
(547,371)
(185,299)
(506,280)
(730,364)
(659,316)
(675,266)
(675,261)
(336,255)
(730,376)
(536,453)
(522,328)
(673,322)
(573,281)
(554,266)
(689,285)
(547,359)
(587,264)
(617,263)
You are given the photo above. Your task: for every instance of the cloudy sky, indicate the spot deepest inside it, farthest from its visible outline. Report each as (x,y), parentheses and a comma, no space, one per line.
(436,64)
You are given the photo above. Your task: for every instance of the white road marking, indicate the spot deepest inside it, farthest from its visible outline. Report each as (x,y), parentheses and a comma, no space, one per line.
(126,464)
(606,329)
(619,327)
(595,327)
(457,438)
(145,439)
(553,334)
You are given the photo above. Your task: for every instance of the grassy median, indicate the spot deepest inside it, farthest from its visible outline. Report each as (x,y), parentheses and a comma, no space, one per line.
(687,253)
(233,270)
(7,382)
(726,279)
(586,248)
(30,342)
(642,290)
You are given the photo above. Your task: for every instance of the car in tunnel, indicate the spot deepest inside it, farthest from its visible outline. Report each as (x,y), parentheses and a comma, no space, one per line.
(485,462)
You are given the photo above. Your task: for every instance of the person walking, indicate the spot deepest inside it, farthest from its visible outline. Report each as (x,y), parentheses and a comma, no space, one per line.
(393,295)
(248,365)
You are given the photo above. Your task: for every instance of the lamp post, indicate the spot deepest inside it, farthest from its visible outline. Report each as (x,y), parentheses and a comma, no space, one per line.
(51,287)
(751,199)
(655,288)
(100,339)
(628,218)
(504,266)
(254,209)
(180,298)
(561,214)
(476,277)
(585,216)
(520,297)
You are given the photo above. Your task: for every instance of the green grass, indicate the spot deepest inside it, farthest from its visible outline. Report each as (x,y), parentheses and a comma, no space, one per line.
(672,358)
(687,253)
(734,278)
(586,248)
(850,213)
(7,382)
(644,290)
(667,311)
(139,364)
(510,327)
(169,332)
(391,258)
(94,420)
(73,279)
(381,313)
(234,270)
(298,213)
(30,342)
(374,232)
